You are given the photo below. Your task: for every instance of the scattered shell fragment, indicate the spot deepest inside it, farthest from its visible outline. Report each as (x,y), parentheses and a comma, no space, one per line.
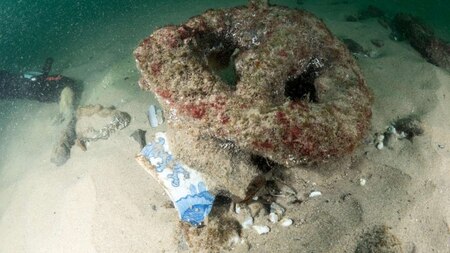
(380,145)
(273,217)
(380,142)
(247,223)
(261,229)
(362,181)
(315,194)
(276,208)
(286,222)
(237,209)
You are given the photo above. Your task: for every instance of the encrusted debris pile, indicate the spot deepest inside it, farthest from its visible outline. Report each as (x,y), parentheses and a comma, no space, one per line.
(258,80)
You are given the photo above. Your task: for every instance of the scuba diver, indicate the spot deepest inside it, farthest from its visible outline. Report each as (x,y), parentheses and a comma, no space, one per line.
(43,87)
(34,85)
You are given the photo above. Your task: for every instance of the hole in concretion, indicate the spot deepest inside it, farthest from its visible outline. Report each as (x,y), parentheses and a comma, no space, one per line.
(263,164)
(220,59)
(302,87)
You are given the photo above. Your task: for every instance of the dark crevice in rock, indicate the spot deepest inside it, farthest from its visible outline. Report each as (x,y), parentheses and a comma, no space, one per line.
(302,87)
(217,51)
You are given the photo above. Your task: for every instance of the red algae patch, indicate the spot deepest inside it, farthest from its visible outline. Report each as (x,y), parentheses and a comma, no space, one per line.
(296,95)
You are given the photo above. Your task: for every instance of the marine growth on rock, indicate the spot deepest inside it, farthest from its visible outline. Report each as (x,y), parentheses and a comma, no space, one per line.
(272,81)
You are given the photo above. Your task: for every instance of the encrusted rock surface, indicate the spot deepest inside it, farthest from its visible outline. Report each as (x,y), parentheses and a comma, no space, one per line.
(271,80)
(223,164)
(422,38)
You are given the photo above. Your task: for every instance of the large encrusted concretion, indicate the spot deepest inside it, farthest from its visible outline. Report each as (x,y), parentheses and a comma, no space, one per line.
(271,80)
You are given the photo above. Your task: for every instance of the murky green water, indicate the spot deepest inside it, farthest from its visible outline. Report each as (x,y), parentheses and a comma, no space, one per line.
(31,30)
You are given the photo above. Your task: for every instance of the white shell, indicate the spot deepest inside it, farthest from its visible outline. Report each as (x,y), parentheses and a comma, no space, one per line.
(248,222)
(286,222)
(273,217)
(276,208)
(315,194)
(380,145)
(261,229)
(362,181)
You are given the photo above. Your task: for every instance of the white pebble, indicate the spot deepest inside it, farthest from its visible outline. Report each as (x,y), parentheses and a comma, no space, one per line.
(380,145)
(273,217)
(362,181)
(261,229)
(248,222)
(237,209)
(380,138)
(315,194)
(286,222)
(276,208)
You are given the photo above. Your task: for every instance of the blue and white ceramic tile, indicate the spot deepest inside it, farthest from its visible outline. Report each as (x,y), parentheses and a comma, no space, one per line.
(185,186)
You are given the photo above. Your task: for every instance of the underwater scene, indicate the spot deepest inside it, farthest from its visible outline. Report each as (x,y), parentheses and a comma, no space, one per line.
(225,126)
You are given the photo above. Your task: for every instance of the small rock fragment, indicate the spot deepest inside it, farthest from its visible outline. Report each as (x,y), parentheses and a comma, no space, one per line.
(139,136)
(237,209)
(410,126)
(255,208)
(355,48)
(315,194)
(277,209)
(380,145)
(273,217)
(362,181)
(247,223)
(380,141)
(286,222)
(261,229)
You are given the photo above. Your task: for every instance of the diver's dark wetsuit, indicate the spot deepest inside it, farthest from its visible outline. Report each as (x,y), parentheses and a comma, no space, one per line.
(43,88)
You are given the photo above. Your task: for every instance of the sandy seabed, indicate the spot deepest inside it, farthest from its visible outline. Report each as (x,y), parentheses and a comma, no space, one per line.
(101,200)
